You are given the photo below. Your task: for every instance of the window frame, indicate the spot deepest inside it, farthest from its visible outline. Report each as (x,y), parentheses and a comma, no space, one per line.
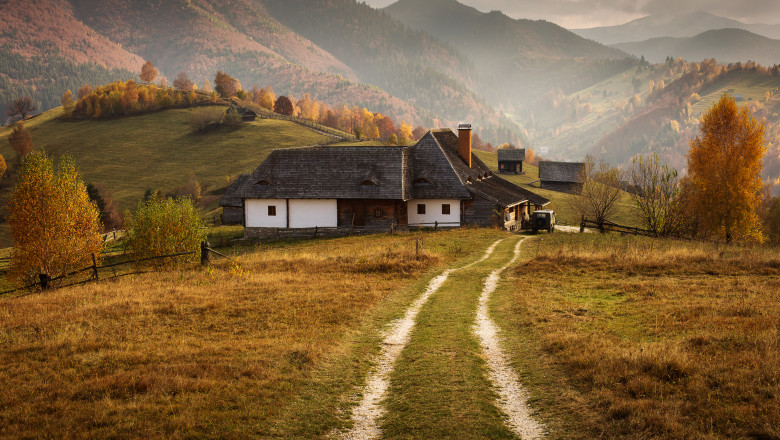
(271,210)
(446,209)
(421,209)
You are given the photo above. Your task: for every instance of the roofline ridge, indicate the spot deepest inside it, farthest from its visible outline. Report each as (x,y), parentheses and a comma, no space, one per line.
(457,174)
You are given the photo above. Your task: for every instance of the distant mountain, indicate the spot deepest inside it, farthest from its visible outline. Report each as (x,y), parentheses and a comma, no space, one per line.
(517,58)
(725,45)
(413,65)
(671,25)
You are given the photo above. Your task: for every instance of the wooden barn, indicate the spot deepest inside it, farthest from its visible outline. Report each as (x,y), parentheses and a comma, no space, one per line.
(438,181)
(510,160)
(561,176)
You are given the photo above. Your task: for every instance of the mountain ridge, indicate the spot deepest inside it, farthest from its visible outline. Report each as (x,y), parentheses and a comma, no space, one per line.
(672,25)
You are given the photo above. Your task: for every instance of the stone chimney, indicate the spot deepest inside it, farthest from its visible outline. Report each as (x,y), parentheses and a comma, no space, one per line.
(464,143)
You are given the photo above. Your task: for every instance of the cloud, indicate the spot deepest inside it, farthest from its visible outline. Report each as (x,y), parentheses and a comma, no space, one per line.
(590,13)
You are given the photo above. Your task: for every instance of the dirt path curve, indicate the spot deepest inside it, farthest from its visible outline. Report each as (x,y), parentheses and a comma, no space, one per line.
(512,396)
(366,414)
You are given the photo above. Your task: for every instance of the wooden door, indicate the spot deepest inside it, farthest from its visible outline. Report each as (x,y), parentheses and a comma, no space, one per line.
(358,214)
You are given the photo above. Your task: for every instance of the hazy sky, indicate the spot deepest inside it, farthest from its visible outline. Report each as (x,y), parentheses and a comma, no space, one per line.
(590,13)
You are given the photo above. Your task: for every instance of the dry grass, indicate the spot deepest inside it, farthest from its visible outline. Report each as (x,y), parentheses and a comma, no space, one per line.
(214,353)
(638,338)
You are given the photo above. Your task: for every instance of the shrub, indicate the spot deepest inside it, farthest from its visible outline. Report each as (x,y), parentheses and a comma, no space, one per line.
(204,117)
(164,227)
(232,118)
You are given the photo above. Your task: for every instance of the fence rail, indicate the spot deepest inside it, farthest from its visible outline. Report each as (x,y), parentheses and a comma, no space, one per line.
(614,227)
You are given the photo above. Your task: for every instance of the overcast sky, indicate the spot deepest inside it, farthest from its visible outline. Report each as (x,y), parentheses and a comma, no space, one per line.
(590,13)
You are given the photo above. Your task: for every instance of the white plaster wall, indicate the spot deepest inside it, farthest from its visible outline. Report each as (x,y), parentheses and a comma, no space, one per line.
(433,211)
(256,213)
(310,213)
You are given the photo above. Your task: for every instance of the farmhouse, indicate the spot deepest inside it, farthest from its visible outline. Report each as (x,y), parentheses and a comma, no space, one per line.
(510,160)
(561,176)
(438,181)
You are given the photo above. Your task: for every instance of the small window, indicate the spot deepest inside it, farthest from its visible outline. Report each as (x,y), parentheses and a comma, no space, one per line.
(378,212)
(272,211)
(421,208)
(263,182)
(445,209)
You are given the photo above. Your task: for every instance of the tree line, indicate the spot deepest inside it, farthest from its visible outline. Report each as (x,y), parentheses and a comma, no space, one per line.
(721,198)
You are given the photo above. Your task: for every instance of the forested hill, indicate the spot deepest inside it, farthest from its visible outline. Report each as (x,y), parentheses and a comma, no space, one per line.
(543,54)
(410,64)
(725,45)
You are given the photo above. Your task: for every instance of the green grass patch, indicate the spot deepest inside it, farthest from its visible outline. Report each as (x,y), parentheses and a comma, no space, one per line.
(159,150)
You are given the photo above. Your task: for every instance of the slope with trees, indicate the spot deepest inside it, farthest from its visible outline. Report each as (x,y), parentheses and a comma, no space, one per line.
(543,54)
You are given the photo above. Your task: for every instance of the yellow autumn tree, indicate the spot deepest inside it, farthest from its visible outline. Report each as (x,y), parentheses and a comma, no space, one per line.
(725,166)
(55,228)
(404,133)
(67,104)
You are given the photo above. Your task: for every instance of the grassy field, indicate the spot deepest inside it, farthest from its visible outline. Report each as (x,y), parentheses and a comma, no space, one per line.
(626,213)
(637,338)
(267,346)
(751,86)
(159,150)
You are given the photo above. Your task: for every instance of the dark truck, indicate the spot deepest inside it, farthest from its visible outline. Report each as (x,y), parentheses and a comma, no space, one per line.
(543,220)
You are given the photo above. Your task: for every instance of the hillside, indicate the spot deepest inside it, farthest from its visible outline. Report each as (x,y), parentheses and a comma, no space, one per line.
(41,40)
(669,116)
(671,25)
(158,150)
(725,45)
(434,76)
(543,54)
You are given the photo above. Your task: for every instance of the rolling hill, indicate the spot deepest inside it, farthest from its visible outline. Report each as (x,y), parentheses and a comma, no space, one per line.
(158,150)
(671,25)
(725,45)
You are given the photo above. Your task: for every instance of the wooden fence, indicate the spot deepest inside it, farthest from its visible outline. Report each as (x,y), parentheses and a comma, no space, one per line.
(45,281)
(609,226)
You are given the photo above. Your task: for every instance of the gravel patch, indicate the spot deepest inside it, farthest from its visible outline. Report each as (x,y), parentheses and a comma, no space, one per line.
(368,412)
(512,396)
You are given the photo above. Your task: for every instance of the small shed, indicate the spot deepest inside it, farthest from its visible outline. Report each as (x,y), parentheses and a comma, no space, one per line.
(510,160)
(561,176)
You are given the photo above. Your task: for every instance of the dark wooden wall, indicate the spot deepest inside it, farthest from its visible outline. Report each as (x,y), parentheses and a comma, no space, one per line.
(389,212)
(480,212)
(509,166)
(232,215)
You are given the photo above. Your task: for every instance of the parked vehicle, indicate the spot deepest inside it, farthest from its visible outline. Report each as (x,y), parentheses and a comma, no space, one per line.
(543,221)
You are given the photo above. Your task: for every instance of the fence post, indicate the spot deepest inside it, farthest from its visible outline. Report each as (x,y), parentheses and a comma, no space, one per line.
(94,267)
(204,253)
(582,225)
(316,228)
(44,281)
(417,248)
(435,226)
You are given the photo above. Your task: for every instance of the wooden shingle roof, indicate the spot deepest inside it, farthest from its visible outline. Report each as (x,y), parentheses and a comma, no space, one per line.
(328,173)
(511,154)
(568,172)
(431,169)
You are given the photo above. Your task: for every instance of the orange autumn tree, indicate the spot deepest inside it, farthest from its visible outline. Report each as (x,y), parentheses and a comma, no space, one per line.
(55,228)
(725,166)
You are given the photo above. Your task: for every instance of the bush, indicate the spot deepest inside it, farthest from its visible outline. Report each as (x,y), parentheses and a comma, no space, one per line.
(164,227)
(204,117)
(232,118)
